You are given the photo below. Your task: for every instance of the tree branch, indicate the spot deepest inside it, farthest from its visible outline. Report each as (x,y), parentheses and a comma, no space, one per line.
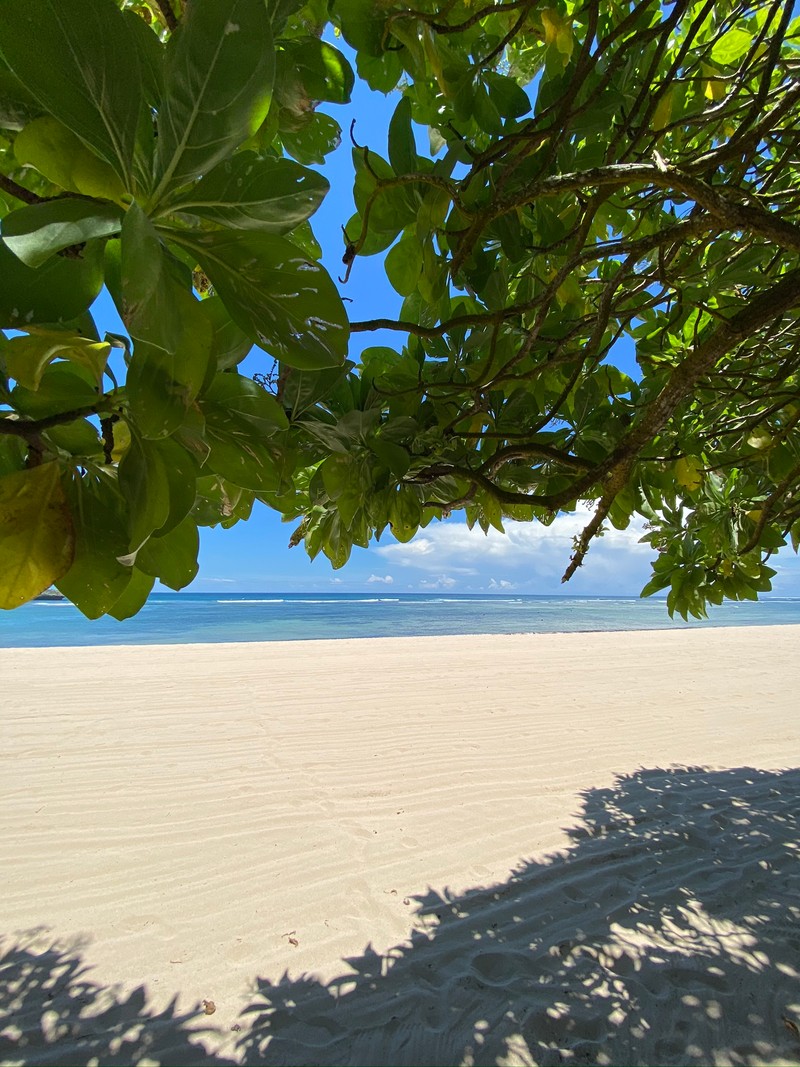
(11,187)
(734,216)
(165,7)
(29,428)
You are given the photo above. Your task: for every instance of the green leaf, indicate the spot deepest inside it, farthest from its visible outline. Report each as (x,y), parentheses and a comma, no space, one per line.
(220,67)
(363,24)
(247,401)
(37,541)
(57,291)
(182,474)
(37,232)
(248,193)
(315,69)
(731,46)
(96,579)
(151,57)
(172,337)
(79,60)
(60,156)
(63,387)
(229,344)
(27,356)
(239,454)
(405,513)
(302,390)
(172,558)
(79,438)
(402,146)
(404,263)
(133,597)
(509,99)
(313,140)
(144,483)
(287,303)
(17,106)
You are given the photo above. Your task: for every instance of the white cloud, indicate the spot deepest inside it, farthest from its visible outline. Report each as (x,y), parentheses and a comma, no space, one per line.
(444,581)
(532,556)
(335,581)
(386,579)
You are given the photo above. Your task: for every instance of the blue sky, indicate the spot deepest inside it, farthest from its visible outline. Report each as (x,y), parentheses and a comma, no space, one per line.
(254,556)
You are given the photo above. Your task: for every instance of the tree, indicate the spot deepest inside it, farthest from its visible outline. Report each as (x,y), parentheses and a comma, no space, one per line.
(605,176)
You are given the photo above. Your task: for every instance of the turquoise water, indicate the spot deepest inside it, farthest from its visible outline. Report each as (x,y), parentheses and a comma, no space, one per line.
(211,617)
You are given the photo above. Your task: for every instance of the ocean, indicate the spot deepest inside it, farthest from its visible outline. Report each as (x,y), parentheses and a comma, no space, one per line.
(188,618)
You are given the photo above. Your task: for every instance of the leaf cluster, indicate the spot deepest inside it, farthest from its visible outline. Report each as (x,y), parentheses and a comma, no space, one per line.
(607,185)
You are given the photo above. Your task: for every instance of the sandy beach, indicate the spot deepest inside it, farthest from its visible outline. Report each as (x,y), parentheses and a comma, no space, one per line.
(536,849)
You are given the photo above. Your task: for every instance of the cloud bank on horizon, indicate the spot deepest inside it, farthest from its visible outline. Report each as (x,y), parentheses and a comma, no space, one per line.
(447,556)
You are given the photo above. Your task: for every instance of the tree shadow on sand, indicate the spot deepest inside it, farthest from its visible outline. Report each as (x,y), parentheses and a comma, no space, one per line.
(669,932)
(52,1013)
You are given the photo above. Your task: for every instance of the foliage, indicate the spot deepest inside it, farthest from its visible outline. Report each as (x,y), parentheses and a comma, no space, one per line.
(605,178)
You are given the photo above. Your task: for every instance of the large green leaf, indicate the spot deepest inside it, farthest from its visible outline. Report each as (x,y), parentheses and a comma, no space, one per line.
(62,387)
(218,87)
(79,60)
(402,147)
(229,344)
(37,541)
(37,232)
(57,291)
(312,70)
(133,599)
(238,453)
(64,159)
(287,303)
(27,355)
(313,139)
(243,398)
(17,106)
(363,24)
(172,337)
(151,57)
(144,483)
(172,558)
(96,579)
(248,193)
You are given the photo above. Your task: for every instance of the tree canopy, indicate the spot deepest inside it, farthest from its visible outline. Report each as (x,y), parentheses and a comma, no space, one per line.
(605,178)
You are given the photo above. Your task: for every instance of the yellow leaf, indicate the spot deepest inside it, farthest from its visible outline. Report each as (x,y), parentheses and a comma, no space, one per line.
(687,472)
(557,32)
(662,116)
(760,439)
(37,539)
(122,440)
(714,88)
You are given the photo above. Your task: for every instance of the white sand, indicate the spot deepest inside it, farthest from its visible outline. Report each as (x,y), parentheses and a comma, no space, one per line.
(530,849)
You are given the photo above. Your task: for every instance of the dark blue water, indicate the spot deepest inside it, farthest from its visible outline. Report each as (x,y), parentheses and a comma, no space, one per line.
(186,618)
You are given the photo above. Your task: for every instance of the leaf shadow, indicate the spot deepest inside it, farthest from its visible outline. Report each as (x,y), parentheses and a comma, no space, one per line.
(667,932)
(51,1012)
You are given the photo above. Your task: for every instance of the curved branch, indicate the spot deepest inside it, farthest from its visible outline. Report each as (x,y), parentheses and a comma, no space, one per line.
(735,216)
(29,428)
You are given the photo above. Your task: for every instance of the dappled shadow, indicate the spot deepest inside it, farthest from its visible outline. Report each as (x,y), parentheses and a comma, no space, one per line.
(52,1013)
(669,932)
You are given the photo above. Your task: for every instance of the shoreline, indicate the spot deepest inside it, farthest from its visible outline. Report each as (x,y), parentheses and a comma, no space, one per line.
(674,627)
(362,850)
